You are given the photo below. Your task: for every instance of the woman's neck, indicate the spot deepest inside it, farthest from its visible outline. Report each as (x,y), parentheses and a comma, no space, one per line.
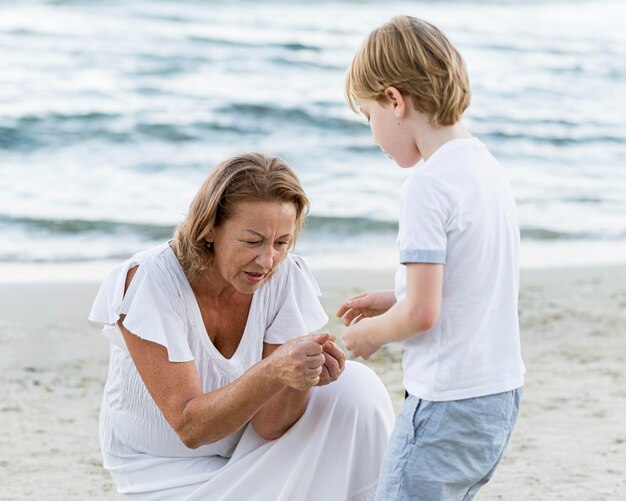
(210,286)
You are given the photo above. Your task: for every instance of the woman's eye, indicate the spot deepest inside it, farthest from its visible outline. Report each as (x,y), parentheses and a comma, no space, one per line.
(252,242)
(282,244)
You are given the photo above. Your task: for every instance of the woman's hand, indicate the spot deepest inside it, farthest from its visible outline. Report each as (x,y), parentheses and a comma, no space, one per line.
(368,304)
(299,362)
(334,364)
(299,365)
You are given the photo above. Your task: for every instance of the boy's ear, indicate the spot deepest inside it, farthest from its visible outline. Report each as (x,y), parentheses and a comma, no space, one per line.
(397,101)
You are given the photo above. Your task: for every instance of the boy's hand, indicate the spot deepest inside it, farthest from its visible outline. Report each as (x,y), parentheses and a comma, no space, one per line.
(368,304)
(357,340)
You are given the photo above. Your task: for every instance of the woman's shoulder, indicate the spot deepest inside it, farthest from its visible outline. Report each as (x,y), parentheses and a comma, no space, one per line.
(293,276)
(155,268)
(152,305)
(154,255)
(160,262)
(291,268)
(294,309)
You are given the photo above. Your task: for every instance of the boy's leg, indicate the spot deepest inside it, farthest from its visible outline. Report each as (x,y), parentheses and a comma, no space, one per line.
(472,491)
(442,450)
(398,451)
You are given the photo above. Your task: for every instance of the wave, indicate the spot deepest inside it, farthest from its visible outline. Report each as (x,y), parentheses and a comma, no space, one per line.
(534,233)
(557,140)
(544,130)
(290,116)
(300,63)
(60,227)
(289,46)
(56,130)
(319,225)
(52,130)
(348,225)
(30,132)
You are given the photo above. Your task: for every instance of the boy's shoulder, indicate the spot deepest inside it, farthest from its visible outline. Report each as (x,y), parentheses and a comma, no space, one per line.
(450,172)
(456,161)
(454,153)
(424,192)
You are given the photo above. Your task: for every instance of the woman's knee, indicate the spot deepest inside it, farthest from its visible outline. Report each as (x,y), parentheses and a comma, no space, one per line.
(358,390)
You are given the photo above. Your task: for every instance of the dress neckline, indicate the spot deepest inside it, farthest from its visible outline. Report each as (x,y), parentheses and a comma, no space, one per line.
(236,359)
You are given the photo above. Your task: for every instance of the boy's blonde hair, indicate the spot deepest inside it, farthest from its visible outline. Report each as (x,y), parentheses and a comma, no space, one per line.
(416,58)
(245,177)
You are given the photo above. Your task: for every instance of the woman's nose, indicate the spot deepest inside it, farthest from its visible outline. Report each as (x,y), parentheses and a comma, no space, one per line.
(266,258)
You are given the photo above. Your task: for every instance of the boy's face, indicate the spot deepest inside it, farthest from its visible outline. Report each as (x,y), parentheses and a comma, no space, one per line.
(390,131)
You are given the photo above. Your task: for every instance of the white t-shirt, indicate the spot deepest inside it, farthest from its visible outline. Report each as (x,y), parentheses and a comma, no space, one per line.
(160,306)
(458,209)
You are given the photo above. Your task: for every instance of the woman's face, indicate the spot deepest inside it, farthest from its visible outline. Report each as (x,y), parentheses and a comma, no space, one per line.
(252,242)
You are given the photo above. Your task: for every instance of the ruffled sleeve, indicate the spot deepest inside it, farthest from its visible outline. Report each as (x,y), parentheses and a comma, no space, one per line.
(152,310)
(296,307)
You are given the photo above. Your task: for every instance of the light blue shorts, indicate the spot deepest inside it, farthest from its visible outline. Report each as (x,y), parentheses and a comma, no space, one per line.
(447,450)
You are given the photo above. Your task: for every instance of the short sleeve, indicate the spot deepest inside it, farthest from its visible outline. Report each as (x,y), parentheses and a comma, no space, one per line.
(423,221)
(296,309)
(151,310)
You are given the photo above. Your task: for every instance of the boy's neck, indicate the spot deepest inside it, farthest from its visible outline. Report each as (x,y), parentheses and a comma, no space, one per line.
(429,139)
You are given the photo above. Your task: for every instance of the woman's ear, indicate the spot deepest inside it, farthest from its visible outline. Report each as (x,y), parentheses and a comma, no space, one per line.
(397,101)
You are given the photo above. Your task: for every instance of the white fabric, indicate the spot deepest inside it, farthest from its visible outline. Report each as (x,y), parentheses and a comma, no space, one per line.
(142,451)
(458,209)
(334,452)
(295,307)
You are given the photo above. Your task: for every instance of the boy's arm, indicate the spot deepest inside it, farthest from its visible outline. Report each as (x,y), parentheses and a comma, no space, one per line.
(415,314)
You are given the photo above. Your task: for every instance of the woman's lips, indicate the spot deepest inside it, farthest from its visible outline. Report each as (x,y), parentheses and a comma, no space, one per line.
(254,277)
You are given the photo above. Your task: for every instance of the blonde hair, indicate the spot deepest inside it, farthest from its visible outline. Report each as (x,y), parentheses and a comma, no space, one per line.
(416,58)
(249,176)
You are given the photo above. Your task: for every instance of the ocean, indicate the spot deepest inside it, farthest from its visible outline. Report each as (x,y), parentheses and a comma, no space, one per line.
(113,112)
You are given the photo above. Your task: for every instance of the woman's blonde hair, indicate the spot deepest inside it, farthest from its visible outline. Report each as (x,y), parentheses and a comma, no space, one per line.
(416,58)
(245,177)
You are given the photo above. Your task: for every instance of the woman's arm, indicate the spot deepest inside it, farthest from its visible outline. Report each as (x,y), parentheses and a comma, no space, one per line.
(202,418)
(282,410)
(288,405)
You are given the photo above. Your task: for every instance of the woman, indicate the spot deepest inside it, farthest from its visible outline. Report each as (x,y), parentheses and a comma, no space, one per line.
(216,388)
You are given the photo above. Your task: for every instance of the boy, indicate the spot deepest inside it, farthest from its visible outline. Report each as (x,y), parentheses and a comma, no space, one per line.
(455,300)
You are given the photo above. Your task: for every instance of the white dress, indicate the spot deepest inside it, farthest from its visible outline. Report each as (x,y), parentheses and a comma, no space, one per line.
(335,450)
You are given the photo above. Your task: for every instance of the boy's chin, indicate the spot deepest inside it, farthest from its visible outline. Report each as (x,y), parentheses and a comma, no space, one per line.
(407,163)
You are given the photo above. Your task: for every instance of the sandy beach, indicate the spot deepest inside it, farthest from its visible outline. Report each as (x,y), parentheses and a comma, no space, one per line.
(570,441)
